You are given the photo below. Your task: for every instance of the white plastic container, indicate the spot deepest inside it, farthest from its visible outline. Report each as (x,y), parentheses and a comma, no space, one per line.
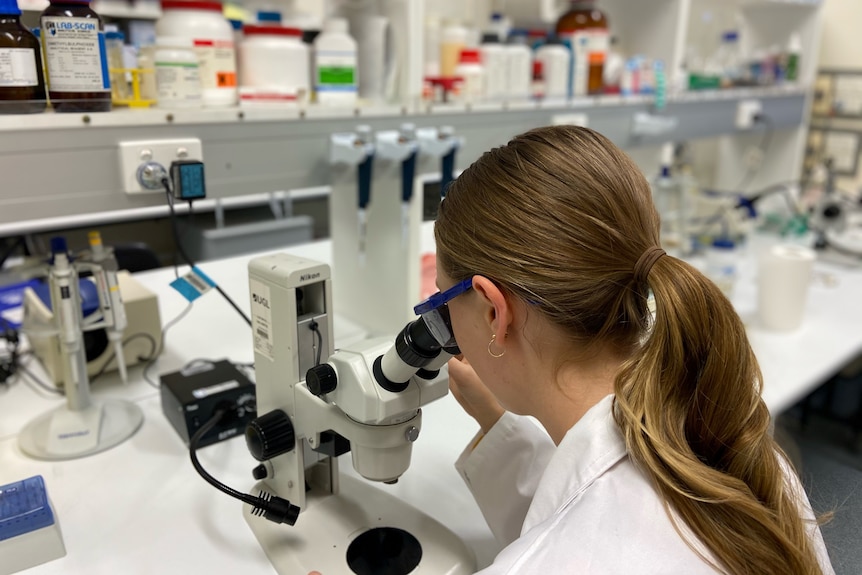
(178,77)
(721,262)
(495,62)
(520,68)
(273,66)
(146,63)
(472,74)
(202,22)
(335,65)
(431,65)
(556,63)
(453,39)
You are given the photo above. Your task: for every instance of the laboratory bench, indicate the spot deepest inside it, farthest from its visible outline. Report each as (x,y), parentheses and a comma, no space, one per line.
(141,508)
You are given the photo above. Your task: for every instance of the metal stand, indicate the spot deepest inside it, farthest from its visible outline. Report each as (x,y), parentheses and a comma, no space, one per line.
(66,434)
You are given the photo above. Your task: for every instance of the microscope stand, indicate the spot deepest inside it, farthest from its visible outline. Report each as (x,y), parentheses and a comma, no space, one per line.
(321,540)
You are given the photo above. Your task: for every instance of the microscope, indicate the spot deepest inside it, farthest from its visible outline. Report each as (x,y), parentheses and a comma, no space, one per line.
(316,403)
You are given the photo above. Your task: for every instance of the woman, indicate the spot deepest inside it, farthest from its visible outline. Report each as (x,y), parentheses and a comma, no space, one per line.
(656,454)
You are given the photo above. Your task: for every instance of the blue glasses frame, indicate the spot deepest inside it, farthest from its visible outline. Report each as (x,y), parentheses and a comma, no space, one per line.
(441,298)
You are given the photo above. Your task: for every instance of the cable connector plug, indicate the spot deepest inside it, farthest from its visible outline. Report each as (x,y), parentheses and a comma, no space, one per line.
(275,509)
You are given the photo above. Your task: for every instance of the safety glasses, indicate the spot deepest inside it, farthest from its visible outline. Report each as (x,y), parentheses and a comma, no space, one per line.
(435,313)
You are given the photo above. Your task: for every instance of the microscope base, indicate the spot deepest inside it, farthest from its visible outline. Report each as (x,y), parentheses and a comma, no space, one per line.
(65,434)
(330,523)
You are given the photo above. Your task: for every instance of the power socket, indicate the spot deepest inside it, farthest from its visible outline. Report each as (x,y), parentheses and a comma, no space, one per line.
(134,154)
(746,112)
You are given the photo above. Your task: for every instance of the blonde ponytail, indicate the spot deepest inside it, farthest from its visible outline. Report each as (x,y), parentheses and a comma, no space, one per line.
(690,409)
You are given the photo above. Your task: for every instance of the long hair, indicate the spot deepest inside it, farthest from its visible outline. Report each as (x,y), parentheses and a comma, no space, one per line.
(559,217)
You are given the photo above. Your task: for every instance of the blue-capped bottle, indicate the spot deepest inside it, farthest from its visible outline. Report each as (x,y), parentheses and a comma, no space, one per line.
(22,84)
(76,60)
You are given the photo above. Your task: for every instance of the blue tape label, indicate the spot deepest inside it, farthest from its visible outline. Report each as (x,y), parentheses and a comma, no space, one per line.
(194,284)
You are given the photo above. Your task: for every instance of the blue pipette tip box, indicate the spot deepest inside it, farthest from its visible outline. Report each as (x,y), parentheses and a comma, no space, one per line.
(29,532)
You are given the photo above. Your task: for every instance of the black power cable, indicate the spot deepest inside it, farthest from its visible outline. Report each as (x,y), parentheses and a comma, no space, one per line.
(179,245)
(315,327)
(271,507)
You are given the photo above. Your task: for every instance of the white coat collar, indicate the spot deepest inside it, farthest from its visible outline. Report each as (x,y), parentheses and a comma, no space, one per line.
(591,447)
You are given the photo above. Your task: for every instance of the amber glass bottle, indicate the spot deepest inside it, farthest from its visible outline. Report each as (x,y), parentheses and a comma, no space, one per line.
(586,27)
(22,85)
(75,58)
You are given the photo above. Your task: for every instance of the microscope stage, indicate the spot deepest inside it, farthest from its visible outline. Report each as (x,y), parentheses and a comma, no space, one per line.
(330,523)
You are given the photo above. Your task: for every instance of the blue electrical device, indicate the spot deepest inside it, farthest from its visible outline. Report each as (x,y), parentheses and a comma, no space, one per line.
(187,177)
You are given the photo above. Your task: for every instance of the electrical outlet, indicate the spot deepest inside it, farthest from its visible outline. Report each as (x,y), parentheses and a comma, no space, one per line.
(134,154)
(746,111)
(570,120)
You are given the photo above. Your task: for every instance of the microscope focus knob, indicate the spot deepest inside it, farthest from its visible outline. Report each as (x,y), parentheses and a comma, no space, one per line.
(259,472)
(321,379)
(270,435)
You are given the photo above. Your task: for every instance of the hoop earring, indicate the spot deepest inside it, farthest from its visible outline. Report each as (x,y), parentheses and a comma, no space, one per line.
(491,353)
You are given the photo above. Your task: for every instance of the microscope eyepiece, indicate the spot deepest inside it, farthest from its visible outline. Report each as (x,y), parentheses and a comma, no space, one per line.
(416,345)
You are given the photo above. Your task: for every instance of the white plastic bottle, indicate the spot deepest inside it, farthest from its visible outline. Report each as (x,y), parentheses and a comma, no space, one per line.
(202,22)
(273,66)
(470,70)
(721,262)
(794,50)
(520,66)
(495,62)
(178,78)
(453,39)
(556,63)
(728,59)
(335,69)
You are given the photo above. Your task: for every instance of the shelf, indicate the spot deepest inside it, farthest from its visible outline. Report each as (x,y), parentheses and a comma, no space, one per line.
(127,10)
(59,167)
(164,117)
(66,165)
(119,9)
(783,3)
(32,5)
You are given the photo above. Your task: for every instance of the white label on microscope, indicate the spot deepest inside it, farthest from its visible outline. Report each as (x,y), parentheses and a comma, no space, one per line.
(261,319)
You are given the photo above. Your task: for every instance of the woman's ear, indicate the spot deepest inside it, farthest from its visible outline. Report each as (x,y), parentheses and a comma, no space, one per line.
(497,311)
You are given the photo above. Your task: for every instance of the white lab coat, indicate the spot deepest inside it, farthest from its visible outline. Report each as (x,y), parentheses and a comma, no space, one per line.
(582,507)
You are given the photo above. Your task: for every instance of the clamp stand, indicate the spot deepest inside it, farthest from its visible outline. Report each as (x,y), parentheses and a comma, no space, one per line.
(81,427)
(64,433)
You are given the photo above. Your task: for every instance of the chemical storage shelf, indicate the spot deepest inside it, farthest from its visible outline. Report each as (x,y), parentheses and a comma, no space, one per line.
(72,167)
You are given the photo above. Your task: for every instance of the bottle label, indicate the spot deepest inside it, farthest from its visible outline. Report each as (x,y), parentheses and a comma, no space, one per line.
(594,43)
(336,72)
(217,63)
(18,67)
(178,82)
(75,54)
